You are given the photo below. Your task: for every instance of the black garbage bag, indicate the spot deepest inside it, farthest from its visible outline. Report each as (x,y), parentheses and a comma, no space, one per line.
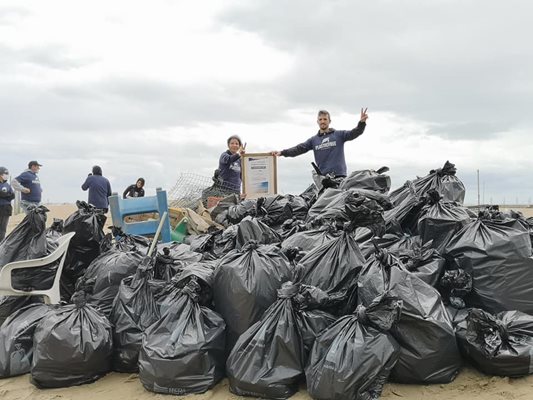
(88,223)
(325,181)
(172,259)
(365,212)
(72,346)
(118,240)
(368,179)
(16,339)
(28,240)
(201,272)
(310,239)
(458,317)
(497,254)
(201,243)
(333,267)
(403,217)
(134,310)
(220,212)
(11,304)
(165,266)
(183,352)
(273,211)
(429,352)
(214,244)
(352,359)
(310,195)
(238,212)
(419,258)
(53,233)
(268,360)
(225,241)
(440,221)
(294,255)
(254,230)
(179,251)
(443,180)
(299,206)
(529,222)
(246,284)
(292,226)
(454,286)
(498,344)
(105,274)
(332,203)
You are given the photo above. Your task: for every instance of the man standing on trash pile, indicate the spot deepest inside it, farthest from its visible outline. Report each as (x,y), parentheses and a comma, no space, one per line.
(327,145)
(99,189)
(30,187)
(6,195)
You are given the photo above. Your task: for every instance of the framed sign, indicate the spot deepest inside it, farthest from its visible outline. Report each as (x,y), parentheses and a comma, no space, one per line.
(259,175)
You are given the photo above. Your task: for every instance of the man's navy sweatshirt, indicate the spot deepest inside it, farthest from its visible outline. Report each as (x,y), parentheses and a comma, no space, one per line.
(30,180)
(99,190)
(328,149)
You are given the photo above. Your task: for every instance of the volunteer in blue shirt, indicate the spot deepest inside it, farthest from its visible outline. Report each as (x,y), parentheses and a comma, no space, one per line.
(6,195)
(327,145)
(99,189)
(229,165)
(30,187)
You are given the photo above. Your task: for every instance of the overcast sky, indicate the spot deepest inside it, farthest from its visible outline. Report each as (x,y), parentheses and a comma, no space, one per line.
(154,89)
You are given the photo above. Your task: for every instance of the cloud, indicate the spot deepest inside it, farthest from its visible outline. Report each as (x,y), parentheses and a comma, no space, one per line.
(10,15)
(117,103)
(454,64)
(155,91)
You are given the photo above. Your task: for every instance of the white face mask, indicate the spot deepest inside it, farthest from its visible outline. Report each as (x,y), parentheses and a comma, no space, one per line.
(5,177)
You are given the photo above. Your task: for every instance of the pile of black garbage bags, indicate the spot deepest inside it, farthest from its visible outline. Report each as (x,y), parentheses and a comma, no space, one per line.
(342,288)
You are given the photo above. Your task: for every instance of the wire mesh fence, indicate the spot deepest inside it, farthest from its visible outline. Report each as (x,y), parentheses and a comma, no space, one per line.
(191,188)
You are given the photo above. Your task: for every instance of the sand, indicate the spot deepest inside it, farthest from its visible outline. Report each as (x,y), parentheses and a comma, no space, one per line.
(469,385)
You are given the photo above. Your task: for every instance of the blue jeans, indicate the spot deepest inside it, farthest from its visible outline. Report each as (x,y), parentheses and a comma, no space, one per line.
(26,205)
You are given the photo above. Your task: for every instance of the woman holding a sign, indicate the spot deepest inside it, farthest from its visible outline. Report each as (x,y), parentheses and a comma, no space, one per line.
(229,165)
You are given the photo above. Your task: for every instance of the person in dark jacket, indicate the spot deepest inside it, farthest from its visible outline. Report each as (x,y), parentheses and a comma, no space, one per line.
(99,189)
(328,145)
(6,195)
(135,190)
(229,165)
(30,187)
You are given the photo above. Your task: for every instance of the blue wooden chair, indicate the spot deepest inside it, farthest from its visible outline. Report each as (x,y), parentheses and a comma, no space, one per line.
(121,208)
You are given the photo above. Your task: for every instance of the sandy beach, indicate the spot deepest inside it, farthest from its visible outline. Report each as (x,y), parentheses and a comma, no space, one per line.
(469,385)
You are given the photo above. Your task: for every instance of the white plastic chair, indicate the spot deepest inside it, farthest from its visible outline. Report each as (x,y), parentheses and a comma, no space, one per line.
(51,296)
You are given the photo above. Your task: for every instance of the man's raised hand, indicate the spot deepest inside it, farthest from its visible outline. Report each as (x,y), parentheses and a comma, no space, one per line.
(364,115)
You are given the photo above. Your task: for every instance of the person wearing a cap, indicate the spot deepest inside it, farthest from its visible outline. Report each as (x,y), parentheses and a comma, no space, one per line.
(229,165)
(6,195)
(30,187)
(99,189)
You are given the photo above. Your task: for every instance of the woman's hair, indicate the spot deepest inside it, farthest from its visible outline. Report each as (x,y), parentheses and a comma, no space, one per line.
(236,138)
(97,170)
(140,179)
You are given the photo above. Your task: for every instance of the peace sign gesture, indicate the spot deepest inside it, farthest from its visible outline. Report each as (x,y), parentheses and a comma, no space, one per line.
(364,115)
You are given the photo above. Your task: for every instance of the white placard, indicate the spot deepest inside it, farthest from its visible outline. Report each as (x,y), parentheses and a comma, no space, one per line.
(259,175)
